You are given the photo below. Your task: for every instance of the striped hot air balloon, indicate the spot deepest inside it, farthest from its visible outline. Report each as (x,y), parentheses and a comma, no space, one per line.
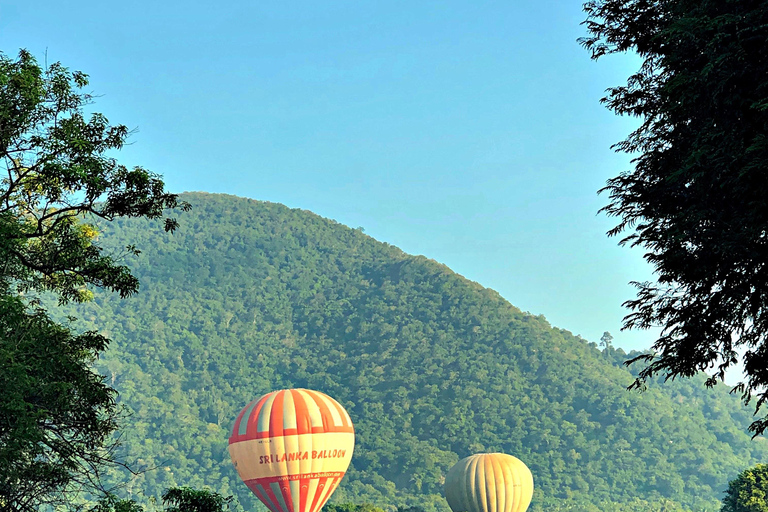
(292,447)
(489,482)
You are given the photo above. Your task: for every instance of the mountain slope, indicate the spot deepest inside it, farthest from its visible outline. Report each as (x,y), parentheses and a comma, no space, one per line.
(247,297)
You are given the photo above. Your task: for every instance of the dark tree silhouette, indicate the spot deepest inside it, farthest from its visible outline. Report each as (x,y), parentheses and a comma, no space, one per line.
(695,198)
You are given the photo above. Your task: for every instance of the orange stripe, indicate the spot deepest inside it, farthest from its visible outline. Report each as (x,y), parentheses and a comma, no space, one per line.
(303,490)
(255,414)
(274,499)
(303,424)
(342,413)
(239,418)
(292,431)
(250,428)
(325,413)
(263,498)
(282,478)
(285,488)
(330,486)
(336,482)
(316,504)
(276,416)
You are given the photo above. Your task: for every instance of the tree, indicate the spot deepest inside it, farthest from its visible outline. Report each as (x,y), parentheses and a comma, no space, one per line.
(409,508)
(58,174)
(111,503)
(176,499)
(748,492)
(695,199)
(606,340)
(56,414)
(354,507)
(185,499)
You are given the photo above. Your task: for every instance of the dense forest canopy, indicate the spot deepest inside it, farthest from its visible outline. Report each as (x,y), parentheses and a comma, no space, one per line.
(247,297)
(56,415)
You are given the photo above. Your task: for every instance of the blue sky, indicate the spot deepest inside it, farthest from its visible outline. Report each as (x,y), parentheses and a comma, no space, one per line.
(469,132)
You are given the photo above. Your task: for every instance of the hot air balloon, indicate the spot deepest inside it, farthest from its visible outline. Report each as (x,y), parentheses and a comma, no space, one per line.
(292,447)
(489,482)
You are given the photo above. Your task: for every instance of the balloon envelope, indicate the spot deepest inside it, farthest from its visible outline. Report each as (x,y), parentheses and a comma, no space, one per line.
(292,447)
(489,482)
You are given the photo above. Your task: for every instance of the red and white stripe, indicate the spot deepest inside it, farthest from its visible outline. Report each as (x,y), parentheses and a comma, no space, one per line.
(290,412)
(292,421)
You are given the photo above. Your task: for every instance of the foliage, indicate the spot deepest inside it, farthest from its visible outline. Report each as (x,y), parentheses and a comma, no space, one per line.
(351,507)
(56,414)
(58,182)
(111,503)
(248,297)
(695,200)
(186,499)
(748,492)
(633,505)
(57,171)
(177,499)
(405,508)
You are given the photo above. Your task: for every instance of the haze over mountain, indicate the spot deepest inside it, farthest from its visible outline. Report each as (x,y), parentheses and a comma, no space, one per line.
(248,297)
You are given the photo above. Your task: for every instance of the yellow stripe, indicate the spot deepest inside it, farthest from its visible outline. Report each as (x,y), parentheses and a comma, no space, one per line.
(312,491)
(516,482)
(315,418)
(295,485)
(334,408)
(492,482)
(289,411)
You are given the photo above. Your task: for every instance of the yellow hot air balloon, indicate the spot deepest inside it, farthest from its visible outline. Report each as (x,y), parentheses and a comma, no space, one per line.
(292,448)
(489,482)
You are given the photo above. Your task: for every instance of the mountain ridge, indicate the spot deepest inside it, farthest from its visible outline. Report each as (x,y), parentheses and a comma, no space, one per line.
(249,296)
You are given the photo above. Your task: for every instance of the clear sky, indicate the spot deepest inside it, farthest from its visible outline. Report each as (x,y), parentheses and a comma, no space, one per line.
(469,132)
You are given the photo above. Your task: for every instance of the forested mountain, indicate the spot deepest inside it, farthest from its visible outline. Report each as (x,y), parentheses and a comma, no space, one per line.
(247,297)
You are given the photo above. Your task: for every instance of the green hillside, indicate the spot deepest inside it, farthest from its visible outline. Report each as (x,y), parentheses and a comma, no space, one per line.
(247,297)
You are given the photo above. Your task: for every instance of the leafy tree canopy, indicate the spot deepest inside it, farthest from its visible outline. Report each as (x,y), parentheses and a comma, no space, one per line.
(186,499)
(352,507)
(748,492)
(57,181)
(176,499)
(56,414)
(57,172)
(111,503)
(696,197)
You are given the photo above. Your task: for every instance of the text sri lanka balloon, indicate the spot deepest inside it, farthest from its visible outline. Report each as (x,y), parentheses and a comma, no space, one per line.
(489,482)
(292,448)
